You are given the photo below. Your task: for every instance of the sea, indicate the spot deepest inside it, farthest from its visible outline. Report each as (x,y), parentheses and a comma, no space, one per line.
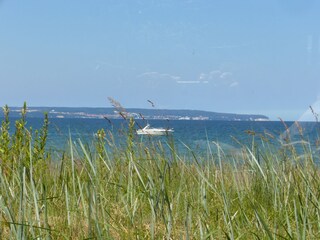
(199,136)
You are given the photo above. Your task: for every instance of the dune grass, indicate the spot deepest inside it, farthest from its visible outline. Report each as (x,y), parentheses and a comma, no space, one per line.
(148,191)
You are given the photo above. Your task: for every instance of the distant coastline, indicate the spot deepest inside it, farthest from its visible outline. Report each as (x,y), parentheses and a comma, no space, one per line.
(137,113)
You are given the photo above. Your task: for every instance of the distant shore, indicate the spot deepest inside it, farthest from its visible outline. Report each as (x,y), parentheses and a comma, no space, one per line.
(137,113)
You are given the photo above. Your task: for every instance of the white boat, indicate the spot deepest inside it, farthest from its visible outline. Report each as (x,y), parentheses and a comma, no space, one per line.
(147,130)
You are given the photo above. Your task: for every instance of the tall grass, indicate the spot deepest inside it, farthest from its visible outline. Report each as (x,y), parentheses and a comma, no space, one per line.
(149,191)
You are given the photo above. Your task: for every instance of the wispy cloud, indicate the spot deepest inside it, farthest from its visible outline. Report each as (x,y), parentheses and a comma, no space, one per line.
(234,84)
(188,82)
(225,75)
(215,77)
(219,78)
(160,76)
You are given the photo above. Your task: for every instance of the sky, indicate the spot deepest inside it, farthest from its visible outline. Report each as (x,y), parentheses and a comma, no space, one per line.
(232,56)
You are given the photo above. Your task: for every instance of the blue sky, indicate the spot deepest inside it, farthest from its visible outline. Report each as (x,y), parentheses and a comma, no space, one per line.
(219,55)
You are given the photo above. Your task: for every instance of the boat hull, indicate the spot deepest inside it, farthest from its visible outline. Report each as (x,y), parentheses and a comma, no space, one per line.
(147,130)
(154,133)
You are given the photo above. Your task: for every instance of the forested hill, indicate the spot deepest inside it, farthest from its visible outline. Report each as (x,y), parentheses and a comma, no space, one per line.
(111,113)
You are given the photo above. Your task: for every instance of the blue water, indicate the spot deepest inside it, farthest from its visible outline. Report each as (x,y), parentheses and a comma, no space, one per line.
(196,135)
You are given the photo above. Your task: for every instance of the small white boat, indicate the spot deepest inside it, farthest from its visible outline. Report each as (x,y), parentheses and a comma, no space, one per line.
(147,130)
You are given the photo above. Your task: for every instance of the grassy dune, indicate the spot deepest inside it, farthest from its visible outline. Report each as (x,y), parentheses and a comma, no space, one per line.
(148,191)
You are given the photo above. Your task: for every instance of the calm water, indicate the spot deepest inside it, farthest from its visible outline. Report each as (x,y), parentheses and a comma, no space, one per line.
(197,135)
